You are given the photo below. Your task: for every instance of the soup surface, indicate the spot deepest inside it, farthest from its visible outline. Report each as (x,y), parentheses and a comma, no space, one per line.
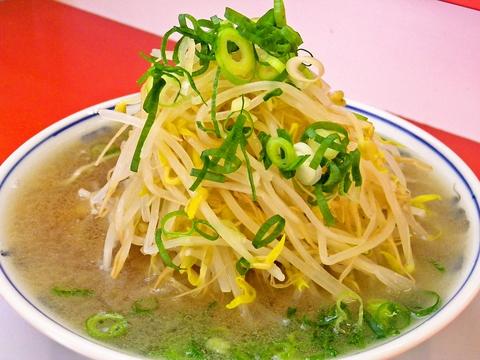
(56,243)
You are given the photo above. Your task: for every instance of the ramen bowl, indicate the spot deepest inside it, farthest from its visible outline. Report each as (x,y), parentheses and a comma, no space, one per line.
(87,123)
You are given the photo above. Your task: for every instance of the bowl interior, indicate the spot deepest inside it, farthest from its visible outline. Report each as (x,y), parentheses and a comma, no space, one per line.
(87,123)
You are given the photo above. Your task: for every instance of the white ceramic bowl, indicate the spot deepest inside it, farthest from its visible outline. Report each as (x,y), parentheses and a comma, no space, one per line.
(452,169)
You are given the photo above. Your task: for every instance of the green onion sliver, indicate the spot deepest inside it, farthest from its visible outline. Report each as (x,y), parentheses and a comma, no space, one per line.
(326,125)
(324,145)
(389,316)
(437,265)
(71,292)
(150,105)
(145,305)
(334,177)
(210,234)
(263,156)
(247,130)
(204,128)
(106,325)
(356,175)
(323,206)
(208,175)
(279,13)
(374,326)
(276,223)
(164,222)
(167,260)
(242,266)
(420,311)
(291,311)
(249,170)
(273,93)
(393,316)
(213,107)
(281,152)
(200,174)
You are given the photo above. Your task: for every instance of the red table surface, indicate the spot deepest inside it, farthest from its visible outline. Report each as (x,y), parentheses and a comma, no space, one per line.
(56,60)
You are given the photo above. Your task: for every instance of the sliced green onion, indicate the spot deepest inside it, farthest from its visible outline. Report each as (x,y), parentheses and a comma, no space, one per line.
(242,266)
(247,130)
(209,233)
(273,93)
(267,72)
(323,206)
(71,292)
(150,105)
(201,174)
(238,67)
(437,265)
(374,326)
(393,316)
(324,125)
(291,311)
(280,42)
(345,184)
(226,152)
(430,297)
(204,128)
(213,111)
(106,325)
(284,134)
(167,260)
(249,170)
(281,152)
(334,177)
(279,13)
(360,116)
(267,19)
(390,316)
(163,48)
(231,162)
(174,215)
(208,176)
(273,226)
(97,149)
(299,161)
(324,145)
(263,138)
(356,175)
(145,305)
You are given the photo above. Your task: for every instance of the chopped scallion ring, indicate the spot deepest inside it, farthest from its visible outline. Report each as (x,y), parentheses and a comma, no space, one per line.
(299,72)
(210,233)
(281,152)
(268,231)
(106,325)
(145,305)
(238,66)
(174,215)
(242,266)
(387,318)
(430,297)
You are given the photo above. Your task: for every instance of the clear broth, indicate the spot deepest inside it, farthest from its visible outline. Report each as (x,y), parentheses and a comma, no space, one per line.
(55,241)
